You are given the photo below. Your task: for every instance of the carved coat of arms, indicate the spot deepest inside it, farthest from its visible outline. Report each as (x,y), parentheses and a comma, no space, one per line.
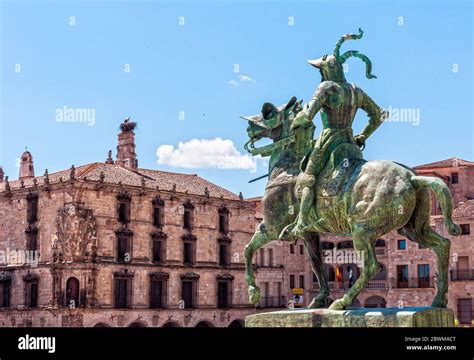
(76,233)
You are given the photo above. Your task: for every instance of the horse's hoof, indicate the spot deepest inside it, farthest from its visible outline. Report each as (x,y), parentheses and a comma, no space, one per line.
(337,305)
(254,294)
(318,302)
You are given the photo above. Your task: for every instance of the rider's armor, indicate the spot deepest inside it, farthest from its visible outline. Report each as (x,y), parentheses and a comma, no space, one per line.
(338,101)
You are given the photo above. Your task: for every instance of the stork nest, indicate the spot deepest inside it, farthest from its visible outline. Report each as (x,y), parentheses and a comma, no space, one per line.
(128,126)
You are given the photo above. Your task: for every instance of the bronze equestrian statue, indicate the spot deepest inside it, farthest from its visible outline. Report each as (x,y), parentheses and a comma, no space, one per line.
(327,187)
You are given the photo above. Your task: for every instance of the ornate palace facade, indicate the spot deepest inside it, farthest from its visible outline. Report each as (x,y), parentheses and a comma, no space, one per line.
(111,244)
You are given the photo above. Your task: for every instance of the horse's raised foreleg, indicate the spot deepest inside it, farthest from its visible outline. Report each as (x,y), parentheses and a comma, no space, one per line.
(313,248)
(364,241)
(259,239)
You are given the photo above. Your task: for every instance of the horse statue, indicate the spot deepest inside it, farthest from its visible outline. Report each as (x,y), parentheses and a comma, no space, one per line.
(363,199)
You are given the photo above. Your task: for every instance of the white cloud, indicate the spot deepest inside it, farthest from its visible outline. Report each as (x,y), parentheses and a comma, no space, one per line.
(205,153)
(245,78)
(233,83)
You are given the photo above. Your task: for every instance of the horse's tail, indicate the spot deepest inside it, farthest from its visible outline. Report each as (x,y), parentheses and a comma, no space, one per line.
(443,195)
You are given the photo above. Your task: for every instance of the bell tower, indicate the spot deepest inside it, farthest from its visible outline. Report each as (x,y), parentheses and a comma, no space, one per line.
(27,170)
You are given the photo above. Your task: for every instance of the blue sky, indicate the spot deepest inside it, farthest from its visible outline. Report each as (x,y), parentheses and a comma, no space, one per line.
(183,85)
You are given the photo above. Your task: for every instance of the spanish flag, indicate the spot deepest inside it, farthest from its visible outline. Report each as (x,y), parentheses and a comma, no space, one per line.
(338,274)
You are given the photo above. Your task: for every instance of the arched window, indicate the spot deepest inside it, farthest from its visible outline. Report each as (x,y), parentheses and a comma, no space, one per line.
(326,245)
(72,292)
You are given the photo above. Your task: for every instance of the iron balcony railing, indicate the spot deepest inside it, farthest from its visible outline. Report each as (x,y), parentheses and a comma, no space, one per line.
(407,283)
(338,285)
(459,275)
(413,283)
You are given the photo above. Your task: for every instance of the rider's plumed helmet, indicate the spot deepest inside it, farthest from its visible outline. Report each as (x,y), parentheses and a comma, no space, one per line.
(330,66)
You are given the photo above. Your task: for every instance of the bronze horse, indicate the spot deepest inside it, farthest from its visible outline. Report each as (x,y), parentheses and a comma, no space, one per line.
(364,199)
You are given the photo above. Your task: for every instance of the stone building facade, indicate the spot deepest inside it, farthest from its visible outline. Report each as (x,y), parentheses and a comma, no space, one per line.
(408,274)
(112,244)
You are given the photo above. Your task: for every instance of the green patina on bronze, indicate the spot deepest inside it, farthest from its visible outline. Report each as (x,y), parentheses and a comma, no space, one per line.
(325,186)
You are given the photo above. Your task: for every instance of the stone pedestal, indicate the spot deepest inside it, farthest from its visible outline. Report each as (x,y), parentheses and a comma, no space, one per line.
(362,317)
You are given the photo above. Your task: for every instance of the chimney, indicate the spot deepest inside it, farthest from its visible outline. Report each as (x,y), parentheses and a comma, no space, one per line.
(27,171)
(2,174)
(126,156)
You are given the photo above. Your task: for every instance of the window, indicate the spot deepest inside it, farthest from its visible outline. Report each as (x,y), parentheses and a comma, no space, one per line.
(302,281)
(158,212)
(401,244)
(187,293)
(72,292)
(158,246)
(223,220)
(270,257)
(292,249)
(123,289)
(301,250)
(32,207)
(187,256)
(31,291)
(189,249)
(402,276)
(157,216)
(454,178)
(292,281)
(424,275)
(124,246)
(188,215)
(325,245)
(315,278)
(262,257)
(223,294)
(465,229)
(31,238)
(157,250)
(158,290)
(5,286)
(224,250)
(124,204)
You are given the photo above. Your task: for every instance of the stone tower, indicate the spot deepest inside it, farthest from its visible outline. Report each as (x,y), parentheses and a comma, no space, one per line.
(2,174)
(27,170)
(126,156)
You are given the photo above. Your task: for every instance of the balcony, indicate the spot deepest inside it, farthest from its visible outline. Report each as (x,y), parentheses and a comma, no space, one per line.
(342,286)
(272,302)
(413,283)
(460,275)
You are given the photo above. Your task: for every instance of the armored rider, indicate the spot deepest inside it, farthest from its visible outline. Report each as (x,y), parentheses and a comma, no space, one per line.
(338,101)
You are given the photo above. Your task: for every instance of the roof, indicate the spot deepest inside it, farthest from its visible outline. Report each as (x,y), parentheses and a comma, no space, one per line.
(113,174)
(465,210)
(448,163)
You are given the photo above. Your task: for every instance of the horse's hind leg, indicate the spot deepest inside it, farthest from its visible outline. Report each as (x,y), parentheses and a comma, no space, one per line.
(364,241)
(313,248)
(440,245)
(259,239)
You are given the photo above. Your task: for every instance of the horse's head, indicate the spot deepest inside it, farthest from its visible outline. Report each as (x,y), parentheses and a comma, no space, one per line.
(272,123)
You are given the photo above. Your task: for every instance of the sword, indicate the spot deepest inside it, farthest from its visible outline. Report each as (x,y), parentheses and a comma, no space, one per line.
(259,178)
